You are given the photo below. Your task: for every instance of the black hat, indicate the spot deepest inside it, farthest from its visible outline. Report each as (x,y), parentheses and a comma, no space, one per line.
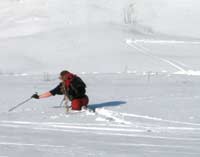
(64,72)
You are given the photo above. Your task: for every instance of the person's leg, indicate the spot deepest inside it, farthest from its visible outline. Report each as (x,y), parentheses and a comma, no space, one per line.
(84,101)
(76,104)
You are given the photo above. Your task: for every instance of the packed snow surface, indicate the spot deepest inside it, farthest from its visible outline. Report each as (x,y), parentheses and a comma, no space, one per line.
(135,116)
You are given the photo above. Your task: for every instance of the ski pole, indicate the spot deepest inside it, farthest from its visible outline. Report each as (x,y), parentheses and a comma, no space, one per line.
(13,108)
(62,102)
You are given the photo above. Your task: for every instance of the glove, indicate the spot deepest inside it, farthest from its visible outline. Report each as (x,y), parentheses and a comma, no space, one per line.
(35,96)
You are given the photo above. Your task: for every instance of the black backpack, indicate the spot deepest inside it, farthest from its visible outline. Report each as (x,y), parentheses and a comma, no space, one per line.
(76,88)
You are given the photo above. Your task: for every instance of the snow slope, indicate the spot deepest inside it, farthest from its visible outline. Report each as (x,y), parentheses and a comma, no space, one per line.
(177,17)
(47,35)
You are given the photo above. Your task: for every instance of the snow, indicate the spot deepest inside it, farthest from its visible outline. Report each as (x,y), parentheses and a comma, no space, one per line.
(139,59)
(134,117)
(57,32)
(178,17)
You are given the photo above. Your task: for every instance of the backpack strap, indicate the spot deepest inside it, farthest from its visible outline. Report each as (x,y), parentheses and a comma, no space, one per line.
(69,77)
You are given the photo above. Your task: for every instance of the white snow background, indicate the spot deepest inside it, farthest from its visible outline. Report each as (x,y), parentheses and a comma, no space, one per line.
(139,58)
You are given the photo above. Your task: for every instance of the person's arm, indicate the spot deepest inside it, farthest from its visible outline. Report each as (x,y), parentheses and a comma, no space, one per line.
(53,92)
(45,95)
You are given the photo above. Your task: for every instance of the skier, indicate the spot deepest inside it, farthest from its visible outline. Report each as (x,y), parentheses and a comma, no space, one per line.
(72,87)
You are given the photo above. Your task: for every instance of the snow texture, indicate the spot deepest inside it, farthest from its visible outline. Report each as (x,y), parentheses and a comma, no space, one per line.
(139,59)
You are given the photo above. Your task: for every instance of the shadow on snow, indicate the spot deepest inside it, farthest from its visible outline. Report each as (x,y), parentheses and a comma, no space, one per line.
(100,105)
(106,104)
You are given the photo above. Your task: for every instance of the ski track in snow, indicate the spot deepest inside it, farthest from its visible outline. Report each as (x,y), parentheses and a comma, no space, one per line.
(111,116)
(72,126)
(108,113)
(120,127)
(148,52)
(107,131)
(158,119)
(30,145)
(181,67)
(116,127)
(151,41)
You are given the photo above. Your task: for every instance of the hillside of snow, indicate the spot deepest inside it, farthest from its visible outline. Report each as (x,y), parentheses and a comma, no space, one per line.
(91,35)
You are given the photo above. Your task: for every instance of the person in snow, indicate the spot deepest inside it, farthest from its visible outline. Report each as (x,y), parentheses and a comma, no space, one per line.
(72,87)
